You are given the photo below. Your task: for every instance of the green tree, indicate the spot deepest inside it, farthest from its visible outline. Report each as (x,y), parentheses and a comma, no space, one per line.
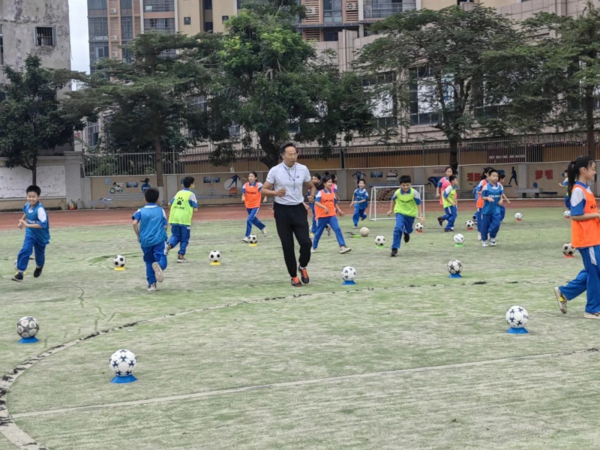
(273,84)
(439,55)
(147,103)
(554,80)
(32,119)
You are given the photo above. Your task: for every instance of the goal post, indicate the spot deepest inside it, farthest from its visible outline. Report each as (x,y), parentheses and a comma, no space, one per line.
(379,202)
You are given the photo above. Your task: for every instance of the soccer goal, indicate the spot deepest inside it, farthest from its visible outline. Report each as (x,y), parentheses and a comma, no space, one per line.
(380,199)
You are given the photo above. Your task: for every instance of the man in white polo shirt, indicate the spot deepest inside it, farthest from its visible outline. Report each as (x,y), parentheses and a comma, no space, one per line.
(287,182)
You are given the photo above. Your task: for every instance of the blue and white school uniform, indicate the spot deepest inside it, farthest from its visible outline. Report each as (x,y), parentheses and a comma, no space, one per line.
(360,208)
(36,239)
(490,213)
(153,237)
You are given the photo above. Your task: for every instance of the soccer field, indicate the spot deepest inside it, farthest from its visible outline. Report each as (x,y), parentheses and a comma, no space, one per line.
(233,357)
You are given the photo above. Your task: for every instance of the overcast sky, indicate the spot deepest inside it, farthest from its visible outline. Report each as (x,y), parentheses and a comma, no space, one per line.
(80,58)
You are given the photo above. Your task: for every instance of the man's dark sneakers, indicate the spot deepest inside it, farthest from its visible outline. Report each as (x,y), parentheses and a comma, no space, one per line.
(406,237)
(18,277)
(441,221)
(296,282)
(394,252)
(38,272)
(303,274)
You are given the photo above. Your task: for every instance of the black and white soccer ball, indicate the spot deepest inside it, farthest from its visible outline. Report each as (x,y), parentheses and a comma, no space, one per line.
(419,226)
(252,239)
(459,238)
(568,249)
(215,256)
(122,362)
(120,261)
(567,214)
(518,216)
(27,327)
(380,240)
(348,273)
(470,224)
(517,317)
(455,267)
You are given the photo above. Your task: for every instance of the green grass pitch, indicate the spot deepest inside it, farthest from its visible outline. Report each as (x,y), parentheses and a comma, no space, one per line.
(239,359)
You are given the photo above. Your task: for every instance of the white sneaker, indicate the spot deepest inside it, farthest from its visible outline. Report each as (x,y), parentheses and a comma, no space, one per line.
(484,244)
(493,242)
(160,277)
(313,250)
(264,231)
(152,287)
(246,240)
(354,227)
(478,236)
(344,249)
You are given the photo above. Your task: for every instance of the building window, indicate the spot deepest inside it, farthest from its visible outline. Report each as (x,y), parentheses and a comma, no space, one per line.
(199,101)
(96,4)
(126,28)
(127,55)
(93,133)
(330,35)
(225,19)
(98,28)
(208,27)
(44,37)
(332,11)
(424,108)
(126,4)
(159,5)
(98,51)
(187,20)
(379,9)
(1,47)
(163,26)
(207,4)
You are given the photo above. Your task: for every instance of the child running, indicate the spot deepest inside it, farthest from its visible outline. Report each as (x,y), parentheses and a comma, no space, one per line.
(182,207)
(251,196)
(360,200)
(150,226)
(443,184)
(406,204)
(449,203)
(490,213)
(325,208)
(479,200)
(585,237)
(37,234)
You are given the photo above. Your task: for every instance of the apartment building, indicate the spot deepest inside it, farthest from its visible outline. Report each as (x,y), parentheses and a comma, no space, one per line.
(37,28)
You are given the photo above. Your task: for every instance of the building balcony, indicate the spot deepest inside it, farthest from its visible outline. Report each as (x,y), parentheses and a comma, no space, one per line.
(380,9)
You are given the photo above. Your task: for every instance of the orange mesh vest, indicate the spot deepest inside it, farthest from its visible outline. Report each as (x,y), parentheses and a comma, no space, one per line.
(327,200)
(586,233)
(252,196)
(480,198)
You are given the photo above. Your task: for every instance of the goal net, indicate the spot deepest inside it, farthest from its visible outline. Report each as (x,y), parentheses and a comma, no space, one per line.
(381,197)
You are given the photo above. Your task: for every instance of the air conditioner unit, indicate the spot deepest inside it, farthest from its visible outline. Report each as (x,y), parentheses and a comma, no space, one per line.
(113,10)
(114,37)
(311,10)
(148,8)
(352,6)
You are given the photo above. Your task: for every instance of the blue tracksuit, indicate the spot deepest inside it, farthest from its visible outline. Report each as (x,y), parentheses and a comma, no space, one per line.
(36,239)
(360,208)
(404,224)
(490,213)
(153,237)
(253,220)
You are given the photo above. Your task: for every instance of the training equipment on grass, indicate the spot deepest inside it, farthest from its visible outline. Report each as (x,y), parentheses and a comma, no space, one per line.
(253,240)
(455,268)
(518,216)
(348,275)
(568,250)
(419,227)
(567,214)
(364,232)
(119,262)
(459,240)
(470,224)
(122,362)
(27,328)
(380,241)
(517,317)
(381,197)
(215,258)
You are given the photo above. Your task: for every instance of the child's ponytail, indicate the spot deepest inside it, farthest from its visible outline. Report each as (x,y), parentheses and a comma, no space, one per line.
(582,162)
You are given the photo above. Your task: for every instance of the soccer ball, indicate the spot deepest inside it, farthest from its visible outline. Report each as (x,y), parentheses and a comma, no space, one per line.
(459,238)
(380,240)
(518,216)
(517,317)
(568,249)
(27,327)
(215,256)
(419,226)
(454,267)
(364,231)
(122,362)
(348,273)
(567,214)
(120,261)
(470,224)
(252,239)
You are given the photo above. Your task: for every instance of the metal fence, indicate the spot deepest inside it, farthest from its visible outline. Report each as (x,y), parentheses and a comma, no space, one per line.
(520,149)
